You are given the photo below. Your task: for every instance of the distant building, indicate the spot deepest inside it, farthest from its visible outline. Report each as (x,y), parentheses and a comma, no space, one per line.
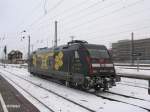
(15,57)
(122,50)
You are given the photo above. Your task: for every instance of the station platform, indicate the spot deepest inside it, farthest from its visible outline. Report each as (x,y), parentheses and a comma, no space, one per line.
(12,101)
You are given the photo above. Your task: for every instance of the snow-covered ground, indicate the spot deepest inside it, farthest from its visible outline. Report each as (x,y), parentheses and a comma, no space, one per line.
(121,69)
(131,64)
(88,100)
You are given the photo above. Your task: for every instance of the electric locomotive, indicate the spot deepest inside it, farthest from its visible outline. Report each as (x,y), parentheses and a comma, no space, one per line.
(77,63)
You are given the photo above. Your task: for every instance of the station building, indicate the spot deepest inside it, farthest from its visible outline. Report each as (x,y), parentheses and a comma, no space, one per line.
(122,51)
(15,57)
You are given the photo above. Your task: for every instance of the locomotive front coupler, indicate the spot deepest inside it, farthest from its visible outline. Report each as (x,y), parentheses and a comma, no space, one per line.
(101,82)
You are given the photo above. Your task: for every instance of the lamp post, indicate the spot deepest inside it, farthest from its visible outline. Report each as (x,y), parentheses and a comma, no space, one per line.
(4,51)
(29,44)
(132,48)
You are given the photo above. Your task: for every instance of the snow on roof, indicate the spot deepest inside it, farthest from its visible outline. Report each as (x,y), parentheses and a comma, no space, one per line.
(14,51)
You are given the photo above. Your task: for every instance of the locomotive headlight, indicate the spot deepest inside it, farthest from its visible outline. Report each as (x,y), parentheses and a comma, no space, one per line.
(95,65)
(94,71)
(109,65)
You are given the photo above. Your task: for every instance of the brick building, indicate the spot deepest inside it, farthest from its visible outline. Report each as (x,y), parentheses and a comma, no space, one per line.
(15,57)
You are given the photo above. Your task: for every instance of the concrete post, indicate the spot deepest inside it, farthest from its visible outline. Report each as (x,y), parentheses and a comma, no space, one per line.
(149,87)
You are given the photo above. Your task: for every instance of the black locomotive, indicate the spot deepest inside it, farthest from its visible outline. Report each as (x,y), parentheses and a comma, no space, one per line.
(77,63)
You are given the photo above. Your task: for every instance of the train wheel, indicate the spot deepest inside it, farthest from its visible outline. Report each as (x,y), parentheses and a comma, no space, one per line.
(97,87)
(105,87)
(86,87)
(34,74)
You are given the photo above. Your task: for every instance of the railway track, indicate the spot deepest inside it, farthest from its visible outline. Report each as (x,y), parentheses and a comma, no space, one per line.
(127,96)
(51,110)
(86,108)
(113,95)
(105,95)
(133,85)
(119,100)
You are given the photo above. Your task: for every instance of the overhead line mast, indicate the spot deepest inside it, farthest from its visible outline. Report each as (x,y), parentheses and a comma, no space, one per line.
(55,39)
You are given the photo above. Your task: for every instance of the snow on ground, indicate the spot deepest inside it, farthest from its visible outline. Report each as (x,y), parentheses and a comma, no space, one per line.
(131,91)
(39,106)
(131,64)
(120,88)
(51,100)
(84,98)
(88,100)
(139,92)
(134,67)
(120,69)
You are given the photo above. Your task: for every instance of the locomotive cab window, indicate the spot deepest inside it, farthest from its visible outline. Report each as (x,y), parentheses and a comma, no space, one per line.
(98,53)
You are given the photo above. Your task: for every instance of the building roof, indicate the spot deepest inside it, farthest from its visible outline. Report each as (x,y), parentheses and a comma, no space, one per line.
(14,52)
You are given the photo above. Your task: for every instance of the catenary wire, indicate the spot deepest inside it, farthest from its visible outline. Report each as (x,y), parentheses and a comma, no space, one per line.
(108,14)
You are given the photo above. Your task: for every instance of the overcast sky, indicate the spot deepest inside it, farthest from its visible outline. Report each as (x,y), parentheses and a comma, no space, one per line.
(96,21)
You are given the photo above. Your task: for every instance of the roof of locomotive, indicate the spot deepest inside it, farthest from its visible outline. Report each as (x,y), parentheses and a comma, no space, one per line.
(68,46)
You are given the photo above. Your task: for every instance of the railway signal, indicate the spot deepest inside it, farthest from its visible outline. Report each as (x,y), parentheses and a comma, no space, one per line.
(29,44)
(5,52)
(149,87)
